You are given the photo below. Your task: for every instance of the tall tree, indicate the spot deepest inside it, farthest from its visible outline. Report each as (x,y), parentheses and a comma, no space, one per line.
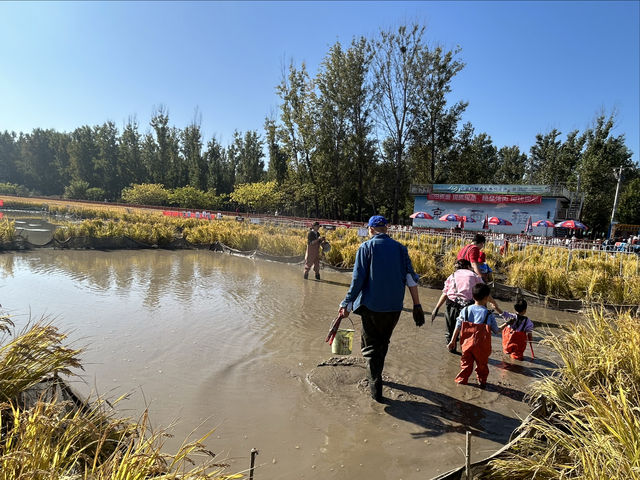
(247,152)
(345,150)
(298,131)
(9,156)
(195,160)
(396,65)
(160,162)
(360,145)
(545,165)
(436,122)
(178,174)
(37,162)
(130,165)
(277,169)
(83,152)
(217,162)
(512,165)
(148,155)
(332,132)
(474,158)
(602,155)
(105,163)
(629,205)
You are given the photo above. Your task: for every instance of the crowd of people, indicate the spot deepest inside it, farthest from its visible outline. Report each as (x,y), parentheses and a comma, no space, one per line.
(381,273)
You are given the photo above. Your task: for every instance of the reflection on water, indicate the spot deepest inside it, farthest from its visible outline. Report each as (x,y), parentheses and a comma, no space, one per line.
(228,341)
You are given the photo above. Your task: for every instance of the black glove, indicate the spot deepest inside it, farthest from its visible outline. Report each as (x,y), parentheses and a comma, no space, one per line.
(418,315)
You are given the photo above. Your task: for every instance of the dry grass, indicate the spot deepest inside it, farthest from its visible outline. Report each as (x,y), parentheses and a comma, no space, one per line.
(592,430)
(7,231)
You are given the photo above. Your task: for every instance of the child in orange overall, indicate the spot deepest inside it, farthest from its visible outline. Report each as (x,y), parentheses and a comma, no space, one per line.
(474,325)
(516,331)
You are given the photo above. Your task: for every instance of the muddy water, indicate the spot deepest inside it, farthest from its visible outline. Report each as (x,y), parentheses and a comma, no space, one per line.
(234,344)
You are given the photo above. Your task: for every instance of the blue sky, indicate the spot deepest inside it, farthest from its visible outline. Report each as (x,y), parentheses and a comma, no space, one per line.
(530,66)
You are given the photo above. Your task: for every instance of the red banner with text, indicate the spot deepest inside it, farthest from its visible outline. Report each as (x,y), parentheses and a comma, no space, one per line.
(484,198)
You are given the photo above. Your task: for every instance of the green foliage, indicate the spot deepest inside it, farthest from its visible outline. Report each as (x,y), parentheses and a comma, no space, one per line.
(96,194)
(13,189)
(258,197)
(188,197)
(603,153)
(146,194)
(629,205)
(246,154)
(76,190)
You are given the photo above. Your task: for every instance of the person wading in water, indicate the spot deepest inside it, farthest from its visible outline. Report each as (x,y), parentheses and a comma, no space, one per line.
(312,256)
(381,271)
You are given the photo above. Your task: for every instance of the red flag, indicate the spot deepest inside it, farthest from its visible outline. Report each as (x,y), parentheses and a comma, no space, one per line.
(485,224)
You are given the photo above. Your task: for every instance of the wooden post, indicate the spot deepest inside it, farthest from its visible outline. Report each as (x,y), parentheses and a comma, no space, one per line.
(467,457)
(254,452)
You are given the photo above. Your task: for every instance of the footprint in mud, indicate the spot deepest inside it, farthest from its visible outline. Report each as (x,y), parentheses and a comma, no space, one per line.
(335,374)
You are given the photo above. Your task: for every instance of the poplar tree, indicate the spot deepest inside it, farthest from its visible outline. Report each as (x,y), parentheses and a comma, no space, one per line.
(396,86)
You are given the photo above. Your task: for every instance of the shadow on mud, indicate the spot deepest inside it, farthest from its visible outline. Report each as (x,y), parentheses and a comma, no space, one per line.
(437,413)
(532,372)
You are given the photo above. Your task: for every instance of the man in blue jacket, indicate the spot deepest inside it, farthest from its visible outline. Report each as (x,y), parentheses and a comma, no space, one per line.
(381,271)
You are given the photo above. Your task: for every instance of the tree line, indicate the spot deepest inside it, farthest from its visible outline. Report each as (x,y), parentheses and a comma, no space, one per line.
(347,141)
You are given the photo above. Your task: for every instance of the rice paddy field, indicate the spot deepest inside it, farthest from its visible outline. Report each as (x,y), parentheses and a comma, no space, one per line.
(591,400)
(592,276)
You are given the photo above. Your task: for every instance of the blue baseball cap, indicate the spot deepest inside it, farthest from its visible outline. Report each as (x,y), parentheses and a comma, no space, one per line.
(377,221)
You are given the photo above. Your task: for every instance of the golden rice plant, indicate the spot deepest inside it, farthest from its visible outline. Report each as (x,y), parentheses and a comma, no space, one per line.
(592,430)
(528,277)
(281,244)
(334,256)
(7,231)
(342,253)
(425,265)
(558,284)
(202,234)
(36,353)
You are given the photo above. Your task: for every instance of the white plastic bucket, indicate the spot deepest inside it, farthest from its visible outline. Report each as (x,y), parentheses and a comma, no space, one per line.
(343,342)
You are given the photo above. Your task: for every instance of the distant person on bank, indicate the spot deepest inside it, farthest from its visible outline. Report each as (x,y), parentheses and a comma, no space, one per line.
(312,256)
(381,272)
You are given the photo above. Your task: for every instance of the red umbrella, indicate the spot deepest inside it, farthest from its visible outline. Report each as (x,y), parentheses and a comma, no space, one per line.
(468,219)
(572,224)
(424,215)
(450,217)
(499,221)
(543,223)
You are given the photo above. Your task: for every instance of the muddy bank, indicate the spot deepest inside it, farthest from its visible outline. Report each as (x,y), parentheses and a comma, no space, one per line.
(236,343)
